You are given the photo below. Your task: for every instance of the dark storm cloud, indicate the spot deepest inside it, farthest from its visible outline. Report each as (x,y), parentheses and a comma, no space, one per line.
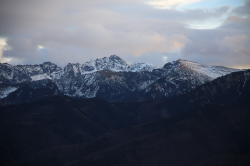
(77,31)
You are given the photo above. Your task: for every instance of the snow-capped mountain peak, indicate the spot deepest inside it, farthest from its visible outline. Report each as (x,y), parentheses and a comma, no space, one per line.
(113,63)
(211,72)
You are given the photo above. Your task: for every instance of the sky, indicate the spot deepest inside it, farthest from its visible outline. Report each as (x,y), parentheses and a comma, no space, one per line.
(210,32)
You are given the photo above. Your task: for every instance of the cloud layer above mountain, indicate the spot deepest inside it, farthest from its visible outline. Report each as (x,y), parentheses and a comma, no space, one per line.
(152,31)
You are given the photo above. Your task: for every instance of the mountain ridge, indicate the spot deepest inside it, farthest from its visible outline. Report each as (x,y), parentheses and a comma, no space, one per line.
(112,63)
(112,79)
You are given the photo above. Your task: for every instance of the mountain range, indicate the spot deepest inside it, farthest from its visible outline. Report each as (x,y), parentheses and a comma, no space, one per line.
(109,78)
(107,112)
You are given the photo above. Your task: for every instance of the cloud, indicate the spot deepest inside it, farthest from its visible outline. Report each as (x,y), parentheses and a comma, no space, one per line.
(65,31)
(236,23)
(166,4)
(28,17)
(3,47)
(242,10)
(238,44)
(95,38)
(217,47)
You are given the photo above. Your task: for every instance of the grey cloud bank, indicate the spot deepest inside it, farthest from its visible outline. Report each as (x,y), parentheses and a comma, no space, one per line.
(77,31)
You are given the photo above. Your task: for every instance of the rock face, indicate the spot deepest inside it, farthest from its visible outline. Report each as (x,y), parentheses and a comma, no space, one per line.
(105,84)
(47,70)
(35,90)
(112,79)
(12,75)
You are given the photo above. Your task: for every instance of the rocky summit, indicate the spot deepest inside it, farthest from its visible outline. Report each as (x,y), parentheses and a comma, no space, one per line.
(110,78)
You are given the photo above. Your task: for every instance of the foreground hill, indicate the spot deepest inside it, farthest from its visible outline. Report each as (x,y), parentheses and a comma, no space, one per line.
(202,134)
(55,121)
(215,135)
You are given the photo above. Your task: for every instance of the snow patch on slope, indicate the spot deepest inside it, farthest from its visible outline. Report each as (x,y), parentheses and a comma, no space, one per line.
(40,77)
(6,91)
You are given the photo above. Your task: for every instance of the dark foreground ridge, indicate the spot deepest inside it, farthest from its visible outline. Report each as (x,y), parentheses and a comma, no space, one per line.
(211,134)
